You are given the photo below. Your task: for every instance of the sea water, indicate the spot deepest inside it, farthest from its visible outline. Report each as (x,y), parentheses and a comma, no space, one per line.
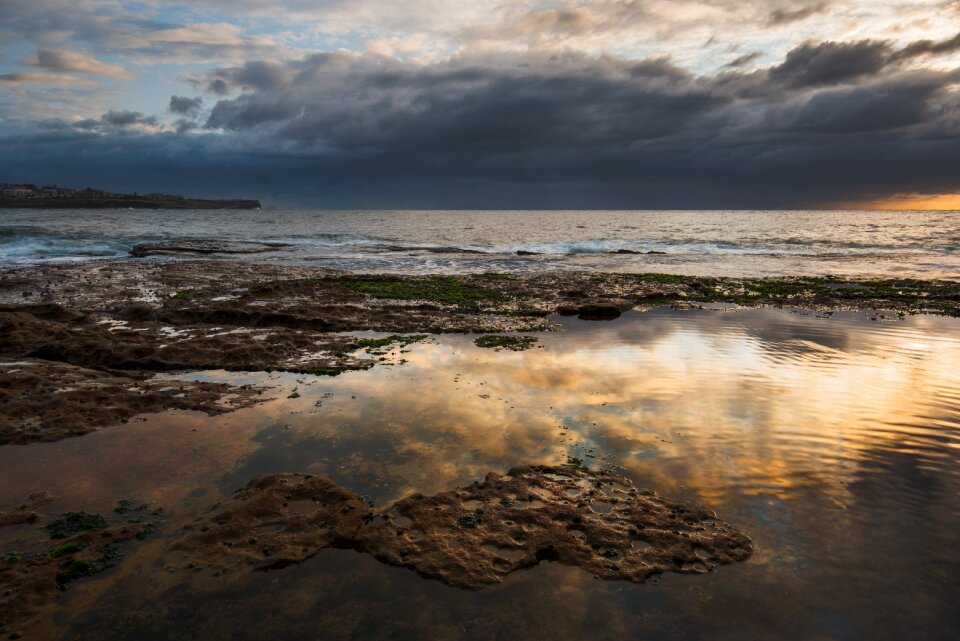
(717,243)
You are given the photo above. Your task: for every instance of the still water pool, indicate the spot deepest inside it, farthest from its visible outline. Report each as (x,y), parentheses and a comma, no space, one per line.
(833,442)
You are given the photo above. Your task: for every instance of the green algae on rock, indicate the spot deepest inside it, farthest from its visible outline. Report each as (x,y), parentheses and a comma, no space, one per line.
(471,537)
(73,523)
(440,289)
(91,543)
(513,343)
(388,341)
(80,341)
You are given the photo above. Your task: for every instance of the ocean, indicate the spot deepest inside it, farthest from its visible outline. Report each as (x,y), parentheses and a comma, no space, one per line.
(719,243)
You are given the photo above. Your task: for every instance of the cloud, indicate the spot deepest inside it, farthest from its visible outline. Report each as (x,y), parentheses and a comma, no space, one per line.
(827,63)
(786,16)
(21,78)
(815,64)
(605,103)
(744,60)
(256,76)
(185,106)
(183,125)
(126,118)
(895,104)
(69,61)
(347,103)
(929,47)
(581,131)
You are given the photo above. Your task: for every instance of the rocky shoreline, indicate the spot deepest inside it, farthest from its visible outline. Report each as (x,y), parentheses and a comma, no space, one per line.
(129,202)
(470,537)
(81,346)
(72,332)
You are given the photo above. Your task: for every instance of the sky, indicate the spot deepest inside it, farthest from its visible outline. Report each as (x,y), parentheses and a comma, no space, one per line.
(618,104)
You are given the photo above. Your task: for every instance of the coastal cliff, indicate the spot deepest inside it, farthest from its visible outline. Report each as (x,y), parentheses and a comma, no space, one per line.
(30,196)
(125,202)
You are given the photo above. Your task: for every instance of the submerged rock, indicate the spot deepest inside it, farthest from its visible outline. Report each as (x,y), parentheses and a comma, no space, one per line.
(72,547)
(24,513)
(471,537)
(202,247)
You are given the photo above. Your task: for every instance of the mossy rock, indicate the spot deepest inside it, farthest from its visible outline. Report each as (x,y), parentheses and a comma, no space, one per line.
(65,549)
(440,289)
(73,523)
(514,343)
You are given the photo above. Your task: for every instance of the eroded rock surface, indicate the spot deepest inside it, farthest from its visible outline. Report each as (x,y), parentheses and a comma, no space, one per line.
(471,537)
(474,536)
(71,547)
(48,401)
(141,317)
(25,512)
(64,373)
(128,342)
(274,521)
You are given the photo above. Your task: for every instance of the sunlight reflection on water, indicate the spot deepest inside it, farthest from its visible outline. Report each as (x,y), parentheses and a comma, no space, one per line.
(833,442)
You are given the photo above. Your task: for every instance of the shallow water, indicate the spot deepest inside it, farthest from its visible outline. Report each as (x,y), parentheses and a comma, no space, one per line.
(834,442)
(714,243)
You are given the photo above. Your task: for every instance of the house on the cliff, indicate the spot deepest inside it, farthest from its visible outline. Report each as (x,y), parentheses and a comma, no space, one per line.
(52,191)
(18,191)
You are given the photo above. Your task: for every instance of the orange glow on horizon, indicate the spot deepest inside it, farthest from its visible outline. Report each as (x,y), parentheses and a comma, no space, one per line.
(911,202)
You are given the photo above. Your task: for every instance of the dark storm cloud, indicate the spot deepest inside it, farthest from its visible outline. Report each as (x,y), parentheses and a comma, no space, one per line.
(886,106)
(826,63)
(929,47)
(831,122)
(255,75)
(185,106)
(183,125)
(815,64)
(126,118)
(556,105)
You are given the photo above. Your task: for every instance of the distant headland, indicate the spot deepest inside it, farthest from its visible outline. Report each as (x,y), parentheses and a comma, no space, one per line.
(53,197)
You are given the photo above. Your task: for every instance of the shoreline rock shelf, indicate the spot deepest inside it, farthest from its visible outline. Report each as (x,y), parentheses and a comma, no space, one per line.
(471,537)
(113,324)
(202,247)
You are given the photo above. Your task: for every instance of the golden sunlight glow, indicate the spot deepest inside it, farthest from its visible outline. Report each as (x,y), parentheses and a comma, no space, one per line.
(912,202)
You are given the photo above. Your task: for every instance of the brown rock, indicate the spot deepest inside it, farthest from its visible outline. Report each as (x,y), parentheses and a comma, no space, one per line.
(30,582)
(49,401)
(472,537)
(24,513)
(274,521)
(194,247)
